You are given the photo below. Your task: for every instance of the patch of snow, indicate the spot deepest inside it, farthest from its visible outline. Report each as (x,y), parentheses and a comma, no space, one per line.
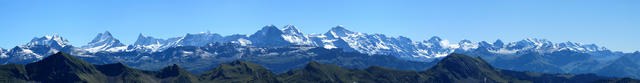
(116,49)
(503,51)
(242,41)
(446,44)
(330,46)
(3,55)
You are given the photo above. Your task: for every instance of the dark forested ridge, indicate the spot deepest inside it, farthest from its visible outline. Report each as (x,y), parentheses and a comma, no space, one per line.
(457,68)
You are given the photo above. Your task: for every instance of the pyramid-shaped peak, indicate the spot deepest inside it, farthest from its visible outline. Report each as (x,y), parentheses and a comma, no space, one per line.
(103,41)
(269,28)
(141,36)
(290,29)
(340,28)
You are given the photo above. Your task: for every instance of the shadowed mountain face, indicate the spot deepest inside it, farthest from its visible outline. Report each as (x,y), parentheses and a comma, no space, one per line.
(455,68)
(62,67)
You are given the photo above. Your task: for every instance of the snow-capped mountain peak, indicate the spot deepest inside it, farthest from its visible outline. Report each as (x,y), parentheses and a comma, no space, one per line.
(199,39)
(148,40)
(339,31)
(467,45)
(268,36)
(294,35)
(291,30)
(104,42)
(54,41)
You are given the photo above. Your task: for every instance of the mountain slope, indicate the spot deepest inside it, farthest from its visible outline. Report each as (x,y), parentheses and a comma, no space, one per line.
(62,67)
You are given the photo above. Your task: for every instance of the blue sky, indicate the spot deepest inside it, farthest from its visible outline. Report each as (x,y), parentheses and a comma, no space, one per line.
(614,24)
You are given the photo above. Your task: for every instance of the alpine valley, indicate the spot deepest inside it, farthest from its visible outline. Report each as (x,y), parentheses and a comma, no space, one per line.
(287,55)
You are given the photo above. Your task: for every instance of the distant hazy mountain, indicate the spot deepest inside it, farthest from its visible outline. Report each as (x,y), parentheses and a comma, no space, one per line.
(456,68)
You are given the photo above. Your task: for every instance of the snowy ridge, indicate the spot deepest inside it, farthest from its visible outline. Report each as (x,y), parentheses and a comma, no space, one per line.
(337,37)
(54,41)
(538,45)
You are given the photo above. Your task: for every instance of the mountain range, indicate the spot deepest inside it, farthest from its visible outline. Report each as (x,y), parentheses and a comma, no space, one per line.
(61,67)
(284,49)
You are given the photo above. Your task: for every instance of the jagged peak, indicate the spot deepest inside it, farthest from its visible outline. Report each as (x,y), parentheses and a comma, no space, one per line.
(106,35)
(269,27)
(290,29)
(102,41)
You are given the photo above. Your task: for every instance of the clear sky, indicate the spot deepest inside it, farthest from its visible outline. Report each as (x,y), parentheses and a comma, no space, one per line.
(614,24)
